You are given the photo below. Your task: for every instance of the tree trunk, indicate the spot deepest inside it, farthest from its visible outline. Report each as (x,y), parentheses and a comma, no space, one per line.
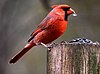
(67,58)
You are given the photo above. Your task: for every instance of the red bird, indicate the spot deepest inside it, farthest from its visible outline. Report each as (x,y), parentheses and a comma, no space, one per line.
(53,26)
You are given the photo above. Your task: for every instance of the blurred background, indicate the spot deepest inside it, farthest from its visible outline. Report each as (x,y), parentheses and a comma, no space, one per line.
(18,18)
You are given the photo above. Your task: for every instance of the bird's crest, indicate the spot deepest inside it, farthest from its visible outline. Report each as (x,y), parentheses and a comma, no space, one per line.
(63,5)
(53,6)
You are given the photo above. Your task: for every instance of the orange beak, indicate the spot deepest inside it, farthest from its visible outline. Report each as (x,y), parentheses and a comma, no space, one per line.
(71,11)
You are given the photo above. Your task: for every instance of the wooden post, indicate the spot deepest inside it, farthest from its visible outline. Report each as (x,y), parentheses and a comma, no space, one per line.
(67,58)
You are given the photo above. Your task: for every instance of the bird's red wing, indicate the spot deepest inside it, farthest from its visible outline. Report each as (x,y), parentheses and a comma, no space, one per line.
(34,34)
(43,25)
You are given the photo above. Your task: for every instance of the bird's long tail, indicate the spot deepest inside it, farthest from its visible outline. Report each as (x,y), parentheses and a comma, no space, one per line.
(21,53)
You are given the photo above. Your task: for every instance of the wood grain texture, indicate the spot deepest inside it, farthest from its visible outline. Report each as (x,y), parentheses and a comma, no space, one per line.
(66,58)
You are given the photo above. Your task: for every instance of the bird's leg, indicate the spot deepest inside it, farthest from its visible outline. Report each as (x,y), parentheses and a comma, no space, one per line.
(45,45)
(40,43)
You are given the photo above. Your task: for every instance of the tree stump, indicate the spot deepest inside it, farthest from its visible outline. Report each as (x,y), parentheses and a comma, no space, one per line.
(73,58)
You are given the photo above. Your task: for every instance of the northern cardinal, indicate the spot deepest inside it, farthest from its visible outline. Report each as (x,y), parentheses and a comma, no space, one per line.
(53,26)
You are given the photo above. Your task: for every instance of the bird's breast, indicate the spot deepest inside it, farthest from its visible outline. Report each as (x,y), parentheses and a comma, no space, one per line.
(59,26)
